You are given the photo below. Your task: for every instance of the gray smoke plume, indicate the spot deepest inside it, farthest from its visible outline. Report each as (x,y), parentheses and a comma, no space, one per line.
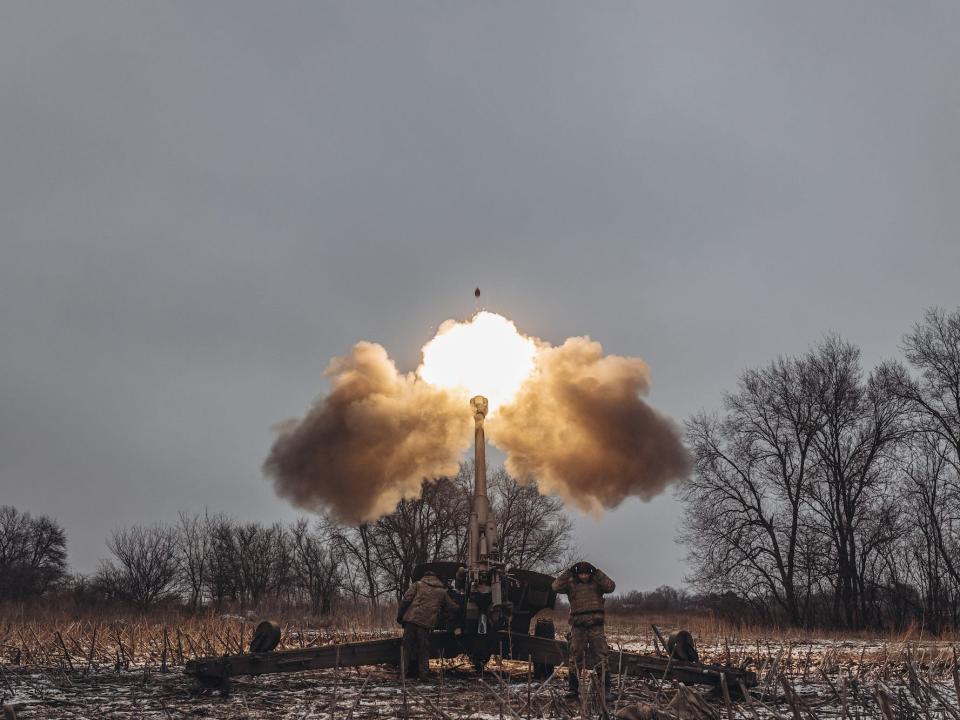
(580,429)
(371,441)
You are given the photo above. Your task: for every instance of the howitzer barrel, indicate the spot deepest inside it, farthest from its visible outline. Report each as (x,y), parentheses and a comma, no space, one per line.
(483,530)
(480,406)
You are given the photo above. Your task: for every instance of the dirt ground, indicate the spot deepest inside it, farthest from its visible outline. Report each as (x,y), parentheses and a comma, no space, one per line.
(361,693)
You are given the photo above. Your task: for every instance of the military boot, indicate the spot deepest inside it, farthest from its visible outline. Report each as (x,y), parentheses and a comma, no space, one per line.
(573,686)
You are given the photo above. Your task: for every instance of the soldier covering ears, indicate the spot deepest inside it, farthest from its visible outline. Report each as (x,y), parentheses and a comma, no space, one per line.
(585,586)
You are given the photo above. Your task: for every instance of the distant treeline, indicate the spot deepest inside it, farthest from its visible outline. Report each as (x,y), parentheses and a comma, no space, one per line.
(668,600)
(825,495)
(217,561)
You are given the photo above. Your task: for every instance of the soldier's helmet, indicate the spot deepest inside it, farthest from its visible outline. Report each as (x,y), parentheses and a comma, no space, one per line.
(583,567)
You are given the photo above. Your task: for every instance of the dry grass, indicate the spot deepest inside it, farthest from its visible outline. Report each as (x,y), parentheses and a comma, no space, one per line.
(52,639)
(56,664)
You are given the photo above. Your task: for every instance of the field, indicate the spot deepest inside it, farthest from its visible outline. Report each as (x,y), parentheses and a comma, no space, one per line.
(54,666)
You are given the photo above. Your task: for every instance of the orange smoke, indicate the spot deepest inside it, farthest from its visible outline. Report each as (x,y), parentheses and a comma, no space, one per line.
(371,441)
(569,418)
(579,428)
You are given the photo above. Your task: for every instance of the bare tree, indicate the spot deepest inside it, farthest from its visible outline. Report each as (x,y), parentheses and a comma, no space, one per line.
(930,547)
(933,349)
(356,546)
(420,530)
(223,574)
(263,560)
(861,424)
(317,569)
(744,505)
(534,529)
(792,495)
(462,502)
(193,554)
(932,468)
(33,554)
(144,567)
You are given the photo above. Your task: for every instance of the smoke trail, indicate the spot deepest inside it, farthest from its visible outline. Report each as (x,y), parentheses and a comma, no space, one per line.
(371,441)
(580,429)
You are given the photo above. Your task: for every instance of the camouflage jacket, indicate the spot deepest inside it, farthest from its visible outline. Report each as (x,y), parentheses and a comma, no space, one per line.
(423,600)
(586,598)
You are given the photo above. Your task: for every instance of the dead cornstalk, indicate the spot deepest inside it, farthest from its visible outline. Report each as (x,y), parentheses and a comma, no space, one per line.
(63,646)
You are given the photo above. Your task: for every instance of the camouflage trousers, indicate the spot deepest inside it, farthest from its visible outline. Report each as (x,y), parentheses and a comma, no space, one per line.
(587,648)
(416,651)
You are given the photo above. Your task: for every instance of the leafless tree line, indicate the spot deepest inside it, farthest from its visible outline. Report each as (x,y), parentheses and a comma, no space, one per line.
(214,560)
(824,495)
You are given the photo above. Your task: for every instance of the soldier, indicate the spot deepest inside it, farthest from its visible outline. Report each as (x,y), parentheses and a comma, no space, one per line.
(585,586)
(418,613)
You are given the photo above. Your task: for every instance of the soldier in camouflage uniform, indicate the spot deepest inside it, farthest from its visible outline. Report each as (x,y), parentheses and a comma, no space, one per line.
(585,586)
(418,613)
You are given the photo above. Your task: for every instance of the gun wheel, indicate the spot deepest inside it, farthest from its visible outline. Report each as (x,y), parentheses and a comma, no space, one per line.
(544,628)
(266,637)
(479,661)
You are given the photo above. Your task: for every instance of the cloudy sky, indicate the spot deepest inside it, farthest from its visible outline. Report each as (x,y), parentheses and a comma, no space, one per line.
(201,203)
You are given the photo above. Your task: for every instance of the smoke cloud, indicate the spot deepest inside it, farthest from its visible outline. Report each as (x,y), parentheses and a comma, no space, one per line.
(570,419)
(580,429)
(371,441)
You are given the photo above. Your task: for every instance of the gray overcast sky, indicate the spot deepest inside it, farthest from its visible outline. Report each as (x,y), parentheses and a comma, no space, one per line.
(201,203)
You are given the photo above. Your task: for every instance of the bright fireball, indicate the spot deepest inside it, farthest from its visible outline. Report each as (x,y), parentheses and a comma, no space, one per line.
(485,356)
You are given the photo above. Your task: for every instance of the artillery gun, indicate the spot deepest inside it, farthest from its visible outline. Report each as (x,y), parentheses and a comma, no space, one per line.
(497,606)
